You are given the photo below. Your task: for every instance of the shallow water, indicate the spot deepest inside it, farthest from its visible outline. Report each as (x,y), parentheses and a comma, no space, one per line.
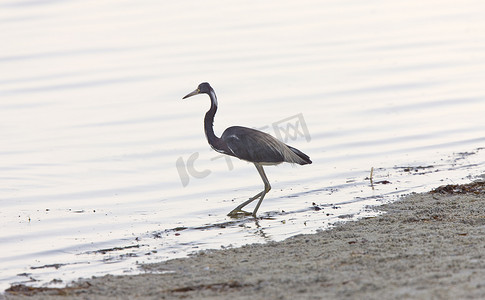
(103,166)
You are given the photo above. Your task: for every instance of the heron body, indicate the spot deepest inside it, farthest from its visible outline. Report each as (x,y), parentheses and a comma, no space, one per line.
(250,145)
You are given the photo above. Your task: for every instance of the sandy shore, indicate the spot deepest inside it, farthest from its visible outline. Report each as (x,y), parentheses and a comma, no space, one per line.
(427,246)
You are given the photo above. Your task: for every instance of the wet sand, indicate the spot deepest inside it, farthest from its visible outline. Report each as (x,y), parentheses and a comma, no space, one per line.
(426,246)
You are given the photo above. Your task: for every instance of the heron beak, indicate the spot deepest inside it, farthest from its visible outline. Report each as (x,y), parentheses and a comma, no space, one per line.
(192,94)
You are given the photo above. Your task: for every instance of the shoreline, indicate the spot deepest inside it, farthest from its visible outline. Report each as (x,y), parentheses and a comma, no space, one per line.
(429,245)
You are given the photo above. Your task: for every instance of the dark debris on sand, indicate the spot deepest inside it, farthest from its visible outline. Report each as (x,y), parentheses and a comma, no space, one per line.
(477,188)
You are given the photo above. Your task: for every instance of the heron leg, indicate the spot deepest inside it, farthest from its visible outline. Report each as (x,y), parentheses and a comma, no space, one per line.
(260,195)
(267,187)
(238,210)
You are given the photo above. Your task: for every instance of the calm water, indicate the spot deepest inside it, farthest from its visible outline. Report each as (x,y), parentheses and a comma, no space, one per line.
(103,166)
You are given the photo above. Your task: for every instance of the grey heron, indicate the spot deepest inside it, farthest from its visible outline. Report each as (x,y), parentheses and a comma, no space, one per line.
(247,144)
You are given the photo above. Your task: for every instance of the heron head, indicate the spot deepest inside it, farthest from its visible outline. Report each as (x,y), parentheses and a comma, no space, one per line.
(203,88)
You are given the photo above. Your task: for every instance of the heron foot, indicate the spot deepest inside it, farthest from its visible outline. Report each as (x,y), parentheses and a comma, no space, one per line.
(239,213)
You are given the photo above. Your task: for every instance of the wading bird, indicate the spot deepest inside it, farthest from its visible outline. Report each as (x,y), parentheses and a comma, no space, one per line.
(248,144)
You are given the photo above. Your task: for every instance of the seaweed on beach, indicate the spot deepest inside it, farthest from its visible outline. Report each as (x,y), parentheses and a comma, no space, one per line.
(24,290)
(477,187)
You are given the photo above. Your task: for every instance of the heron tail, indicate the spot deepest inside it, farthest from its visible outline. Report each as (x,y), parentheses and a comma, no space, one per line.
(305,159)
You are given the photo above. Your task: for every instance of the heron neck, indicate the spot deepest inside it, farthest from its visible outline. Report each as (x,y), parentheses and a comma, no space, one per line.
(213,140)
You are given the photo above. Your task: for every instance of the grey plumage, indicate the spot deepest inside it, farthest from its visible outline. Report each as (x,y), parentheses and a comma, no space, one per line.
(259,147)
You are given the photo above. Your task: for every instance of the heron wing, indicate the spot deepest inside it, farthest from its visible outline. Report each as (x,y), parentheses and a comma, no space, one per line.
(259,147)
